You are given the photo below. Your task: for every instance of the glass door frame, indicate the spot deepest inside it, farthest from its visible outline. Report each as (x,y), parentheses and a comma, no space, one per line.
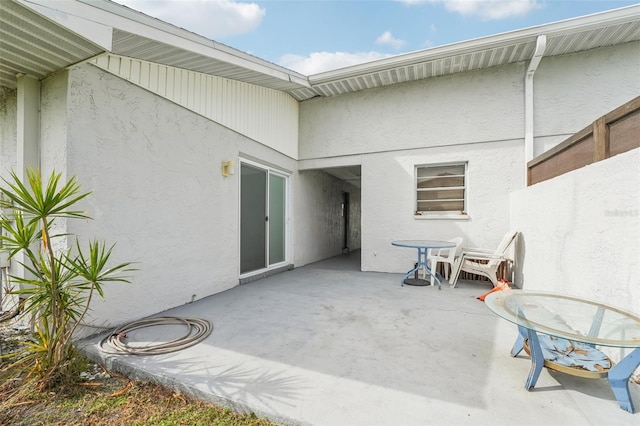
(287,217)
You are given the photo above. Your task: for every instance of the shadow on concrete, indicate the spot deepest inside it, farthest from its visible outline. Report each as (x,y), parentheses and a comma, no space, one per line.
(328,344)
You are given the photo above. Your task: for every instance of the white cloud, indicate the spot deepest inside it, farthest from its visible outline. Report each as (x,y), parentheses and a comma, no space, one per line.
(387,39)
(324,61)
(209,18)
(485,9)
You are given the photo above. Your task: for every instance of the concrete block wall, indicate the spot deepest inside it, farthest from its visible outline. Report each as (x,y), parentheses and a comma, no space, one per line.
(581,232)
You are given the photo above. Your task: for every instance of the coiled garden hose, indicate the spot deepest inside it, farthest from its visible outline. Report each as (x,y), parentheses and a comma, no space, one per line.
(198,330)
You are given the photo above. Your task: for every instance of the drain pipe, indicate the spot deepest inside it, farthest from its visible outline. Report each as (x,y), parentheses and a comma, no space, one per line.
(541,44)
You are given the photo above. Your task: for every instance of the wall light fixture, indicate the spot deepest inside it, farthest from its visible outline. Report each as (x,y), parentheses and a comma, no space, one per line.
(228,168)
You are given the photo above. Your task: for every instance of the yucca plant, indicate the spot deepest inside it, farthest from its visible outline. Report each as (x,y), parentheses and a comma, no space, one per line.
(58,281)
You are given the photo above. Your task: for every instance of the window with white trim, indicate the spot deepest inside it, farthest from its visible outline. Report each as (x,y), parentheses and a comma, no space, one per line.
(441,189)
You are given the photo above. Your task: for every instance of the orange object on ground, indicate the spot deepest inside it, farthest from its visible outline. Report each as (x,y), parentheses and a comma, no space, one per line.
(502,285)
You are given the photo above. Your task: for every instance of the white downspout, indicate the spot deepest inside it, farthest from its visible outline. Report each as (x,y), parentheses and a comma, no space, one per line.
(541,44)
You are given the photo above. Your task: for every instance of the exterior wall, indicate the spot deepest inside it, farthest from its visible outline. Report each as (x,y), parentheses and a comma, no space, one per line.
(476,118)
(388,201)
(53,125)
(581,232)
(265,115)
(480,106)
(8,132)
(8,158)
(319,228)
(155,172)
(571,91)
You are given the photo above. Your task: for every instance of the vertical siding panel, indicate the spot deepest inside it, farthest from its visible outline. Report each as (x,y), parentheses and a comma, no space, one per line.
(233,108)
(135,71)
(274,111)
(209,101)
(203,94)
(184,87)
(219,99)
(215,112)
(125,68)
(162,81)
(144,74)
(195,94)
(153,77)
(113,63)
(170,84)
(191,99)
(249,110)
(223,101)
(265,128)
(212,97)
(257,120)
(102,61)
(177,85)
(241,115)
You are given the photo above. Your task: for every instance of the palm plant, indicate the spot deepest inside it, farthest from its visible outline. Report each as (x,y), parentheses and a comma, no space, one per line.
(58,281)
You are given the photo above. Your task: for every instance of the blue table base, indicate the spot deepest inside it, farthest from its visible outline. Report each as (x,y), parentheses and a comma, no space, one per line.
(618,375)
(422,263)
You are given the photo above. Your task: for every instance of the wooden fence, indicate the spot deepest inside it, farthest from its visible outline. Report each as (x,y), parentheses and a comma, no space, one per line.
(613,133)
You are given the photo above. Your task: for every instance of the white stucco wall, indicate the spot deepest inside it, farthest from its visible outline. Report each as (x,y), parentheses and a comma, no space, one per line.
(155,170)
(476,117)
(266,115)
(479,106)
(8,132)
(571,91)
(8,137)
(581,232)
(53,125)
(388,201)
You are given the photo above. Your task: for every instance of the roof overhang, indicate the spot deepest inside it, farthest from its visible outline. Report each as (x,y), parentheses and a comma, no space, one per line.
(40,37)
(570,36)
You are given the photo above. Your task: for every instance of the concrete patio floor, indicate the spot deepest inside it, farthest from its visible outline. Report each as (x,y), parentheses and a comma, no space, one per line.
(326,344)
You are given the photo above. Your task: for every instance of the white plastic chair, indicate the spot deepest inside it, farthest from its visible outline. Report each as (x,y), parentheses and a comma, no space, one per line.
(483,262)
(444,255)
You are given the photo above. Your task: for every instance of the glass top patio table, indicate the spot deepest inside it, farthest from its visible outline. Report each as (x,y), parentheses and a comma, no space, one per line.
(423,247)
(577,320)
(429,244)
(568,317)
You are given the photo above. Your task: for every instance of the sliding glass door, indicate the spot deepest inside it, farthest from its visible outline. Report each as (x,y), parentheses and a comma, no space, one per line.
(263,207)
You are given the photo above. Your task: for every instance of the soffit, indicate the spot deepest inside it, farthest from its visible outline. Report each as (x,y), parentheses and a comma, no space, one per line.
(32,44)
(40,38)
(473,55)
(254,70)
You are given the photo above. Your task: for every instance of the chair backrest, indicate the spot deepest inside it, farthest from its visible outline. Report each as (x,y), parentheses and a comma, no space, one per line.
(504,245)
(455,252)
(450,253)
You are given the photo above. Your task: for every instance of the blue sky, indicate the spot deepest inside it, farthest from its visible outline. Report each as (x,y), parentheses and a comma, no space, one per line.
(311,36)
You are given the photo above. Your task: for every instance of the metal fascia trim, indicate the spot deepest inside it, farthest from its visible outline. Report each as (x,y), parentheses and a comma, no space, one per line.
(94,32)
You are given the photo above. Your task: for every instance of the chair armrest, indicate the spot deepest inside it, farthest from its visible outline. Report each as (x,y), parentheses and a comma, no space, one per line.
(481,256)
(477,250)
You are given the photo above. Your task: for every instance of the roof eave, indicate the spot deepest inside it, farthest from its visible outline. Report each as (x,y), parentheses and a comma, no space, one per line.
(597,20)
